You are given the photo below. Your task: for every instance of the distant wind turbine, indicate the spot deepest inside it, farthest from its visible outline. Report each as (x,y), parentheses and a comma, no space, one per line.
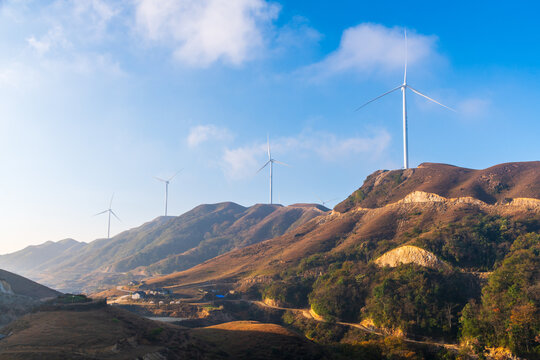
(403,88)
(270,162)
(110,211)
(323,203)
(167,188)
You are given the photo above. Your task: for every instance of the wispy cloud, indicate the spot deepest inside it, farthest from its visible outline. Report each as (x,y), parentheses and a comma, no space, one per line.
(202,32)
(368,48)
(242,162)
(202,133)
(474,107)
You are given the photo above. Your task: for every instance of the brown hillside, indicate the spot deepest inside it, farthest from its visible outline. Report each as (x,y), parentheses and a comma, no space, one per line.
(384,228)
(112,333)
(255,340)
(491,185)
(23,286)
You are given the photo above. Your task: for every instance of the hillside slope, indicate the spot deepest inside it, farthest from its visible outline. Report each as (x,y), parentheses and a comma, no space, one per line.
(35,257)
(111,333)
(161,246)
(491,185)
(405,260)
(19,285)
(375,225)
(19,296)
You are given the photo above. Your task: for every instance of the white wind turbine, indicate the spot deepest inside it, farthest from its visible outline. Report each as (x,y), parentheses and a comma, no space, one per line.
(403,88)
(270,162)
(110,211)
(324,202)
(167,188)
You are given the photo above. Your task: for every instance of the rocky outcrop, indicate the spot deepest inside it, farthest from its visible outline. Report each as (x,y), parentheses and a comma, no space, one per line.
(5,288)
(529,203)
(272,302)
(410,254)
(421,197)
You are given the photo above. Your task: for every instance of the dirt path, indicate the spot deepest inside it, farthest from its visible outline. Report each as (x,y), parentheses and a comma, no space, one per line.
(307,313)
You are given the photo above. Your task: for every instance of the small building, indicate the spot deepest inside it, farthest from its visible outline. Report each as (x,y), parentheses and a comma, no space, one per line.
(137,295)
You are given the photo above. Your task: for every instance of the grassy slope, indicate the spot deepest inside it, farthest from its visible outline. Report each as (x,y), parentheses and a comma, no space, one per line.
(387,227)
(112,333)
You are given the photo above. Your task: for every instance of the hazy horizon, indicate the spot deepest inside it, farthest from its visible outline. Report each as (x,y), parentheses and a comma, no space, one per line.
(100,97)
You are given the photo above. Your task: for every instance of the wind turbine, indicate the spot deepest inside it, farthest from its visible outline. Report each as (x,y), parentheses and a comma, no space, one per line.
(270,162)
(403,88)
(167,187)
(323,203)
(110,211)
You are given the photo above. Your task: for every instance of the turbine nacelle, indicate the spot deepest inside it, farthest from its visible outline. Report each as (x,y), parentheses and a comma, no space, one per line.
(167,182)
(110,212)
(270,161)
(403,87)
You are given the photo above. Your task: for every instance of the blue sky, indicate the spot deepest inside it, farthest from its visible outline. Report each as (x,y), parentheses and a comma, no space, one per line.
(98,97)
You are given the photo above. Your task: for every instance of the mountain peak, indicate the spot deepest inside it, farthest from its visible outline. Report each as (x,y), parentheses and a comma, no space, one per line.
(491,185)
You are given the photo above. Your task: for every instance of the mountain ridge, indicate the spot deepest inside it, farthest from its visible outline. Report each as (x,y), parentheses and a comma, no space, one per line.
(490,185)
(362,219)
(159,246)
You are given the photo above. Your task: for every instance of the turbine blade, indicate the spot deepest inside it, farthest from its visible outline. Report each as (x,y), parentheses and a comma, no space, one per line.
(112,197)
(112,212)
(268,162)
(378,97)
(160,179)
(282,163)
(178,172)
(103,212)
(406,58)
(430,99)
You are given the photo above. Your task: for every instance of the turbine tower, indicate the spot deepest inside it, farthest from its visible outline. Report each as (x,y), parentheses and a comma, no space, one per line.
(324,202)
(403,87)
(167,188)
(110,211)
(270,162)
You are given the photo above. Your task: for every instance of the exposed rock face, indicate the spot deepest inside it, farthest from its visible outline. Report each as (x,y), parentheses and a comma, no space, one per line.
(272,302)
(409,254)
(5,288)
(526,202)
(492,185)
(422,196)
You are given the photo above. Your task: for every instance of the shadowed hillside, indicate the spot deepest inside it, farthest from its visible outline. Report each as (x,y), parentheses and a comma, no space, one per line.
(19,295)
(25,287)
(113,333)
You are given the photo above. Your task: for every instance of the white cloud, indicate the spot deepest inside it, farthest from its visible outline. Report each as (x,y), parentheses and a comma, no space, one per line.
(203,133)
(53,38)
(474,107)
(205,31)
(368,48)
(86,19)
(242,162)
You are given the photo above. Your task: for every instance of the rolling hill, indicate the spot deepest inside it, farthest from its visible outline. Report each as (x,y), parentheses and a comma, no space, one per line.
(161,246)
(19,295)
(390,214)
(107,332)
(436,251)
